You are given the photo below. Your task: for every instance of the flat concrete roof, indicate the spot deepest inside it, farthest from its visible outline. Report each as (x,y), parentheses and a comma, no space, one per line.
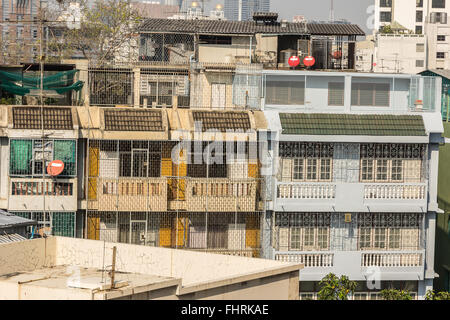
(72,268)
(62,282)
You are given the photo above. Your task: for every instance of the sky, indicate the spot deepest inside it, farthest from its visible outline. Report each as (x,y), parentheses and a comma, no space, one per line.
(354,11)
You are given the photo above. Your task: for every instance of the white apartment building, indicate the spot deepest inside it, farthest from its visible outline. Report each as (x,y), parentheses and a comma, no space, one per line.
(421,17)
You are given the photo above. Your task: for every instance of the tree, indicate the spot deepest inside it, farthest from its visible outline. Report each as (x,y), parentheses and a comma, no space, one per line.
(394,294)
(431,295)
(105,31)
(334,288)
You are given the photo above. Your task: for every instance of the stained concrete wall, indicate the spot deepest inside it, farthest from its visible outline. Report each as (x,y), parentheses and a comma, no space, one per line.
(27,255)
(159,261)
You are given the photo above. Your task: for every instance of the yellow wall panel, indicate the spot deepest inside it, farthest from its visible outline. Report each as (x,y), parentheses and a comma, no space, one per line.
(93,161)
(93,228)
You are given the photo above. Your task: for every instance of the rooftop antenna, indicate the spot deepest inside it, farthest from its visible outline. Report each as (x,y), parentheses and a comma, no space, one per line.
(331,10)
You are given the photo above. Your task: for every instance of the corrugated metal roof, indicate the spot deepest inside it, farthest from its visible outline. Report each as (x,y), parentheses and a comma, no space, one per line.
(351,124)
(14,237)
(246,27)
(10,220)
(54,118)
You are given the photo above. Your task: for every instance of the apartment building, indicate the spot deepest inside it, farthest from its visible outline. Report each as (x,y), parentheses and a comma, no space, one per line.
(421,17)
(242,10)
(19,31)
(323,166)
(355,176)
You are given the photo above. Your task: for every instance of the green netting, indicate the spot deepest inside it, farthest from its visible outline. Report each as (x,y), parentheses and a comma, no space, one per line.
(21,154)
(65,150)
(18,84)
(63,224)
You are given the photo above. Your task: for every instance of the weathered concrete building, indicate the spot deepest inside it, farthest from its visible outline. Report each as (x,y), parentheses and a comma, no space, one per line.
(58,268)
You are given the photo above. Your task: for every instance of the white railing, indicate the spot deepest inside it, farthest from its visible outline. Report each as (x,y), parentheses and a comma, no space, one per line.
(308,259)
(248,253)
(392,259)
(306,191)
(395,191)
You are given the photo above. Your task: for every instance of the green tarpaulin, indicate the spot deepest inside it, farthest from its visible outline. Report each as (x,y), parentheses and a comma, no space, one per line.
(21,154)
(18,84)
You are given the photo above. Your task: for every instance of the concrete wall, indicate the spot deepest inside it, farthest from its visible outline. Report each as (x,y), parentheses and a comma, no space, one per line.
(27,255)
(158,261)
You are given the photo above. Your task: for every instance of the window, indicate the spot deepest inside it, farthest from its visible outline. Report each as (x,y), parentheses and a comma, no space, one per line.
(419,29)
(365,238)
(31,157)
(301,231)
(381,170)
(419,16)
(441,38)
(370,94)
(397,170)
(325,169)
(419,3)
(394,238)
(385,3)
(309,162)
(311,169)
(285,92)
(420,47)
(298,169)
(420,63)
(385,16)
(335,93)
(440,55)
(438,4)
(391,162)
(380,238)
(389,231)
(296,238)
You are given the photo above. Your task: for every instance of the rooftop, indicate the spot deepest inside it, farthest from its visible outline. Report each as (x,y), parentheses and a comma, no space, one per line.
(8,220)
(247,27)
(70,268)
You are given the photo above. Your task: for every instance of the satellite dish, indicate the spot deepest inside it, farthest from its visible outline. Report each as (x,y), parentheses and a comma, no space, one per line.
(55,168)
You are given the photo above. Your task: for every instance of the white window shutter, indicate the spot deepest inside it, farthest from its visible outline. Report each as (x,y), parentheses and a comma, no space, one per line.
(286,171)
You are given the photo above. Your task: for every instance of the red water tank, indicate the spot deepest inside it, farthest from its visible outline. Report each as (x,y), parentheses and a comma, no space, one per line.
(309,61)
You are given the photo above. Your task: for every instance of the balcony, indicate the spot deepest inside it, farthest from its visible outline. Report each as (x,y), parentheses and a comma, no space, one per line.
(392,259)
(247,253)
(395,191)
(351,197)
(222,195)
(306,191)
(358,265)
(30,194)
(310,259)
(132,194)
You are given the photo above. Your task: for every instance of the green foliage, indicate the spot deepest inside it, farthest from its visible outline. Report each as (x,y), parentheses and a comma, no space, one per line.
(334,288)
(431,295)
(394,294)
(105,29)
(386,29)
(8,101)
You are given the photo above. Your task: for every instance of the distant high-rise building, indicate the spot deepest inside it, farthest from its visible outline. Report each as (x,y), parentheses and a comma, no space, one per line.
(242,10)
(174,3)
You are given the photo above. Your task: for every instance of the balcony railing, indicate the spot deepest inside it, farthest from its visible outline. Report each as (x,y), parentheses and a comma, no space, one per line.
(315,259)
(392,259)
(132,194)
(221,194)
(306,191)
(395,191)
(248,253)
